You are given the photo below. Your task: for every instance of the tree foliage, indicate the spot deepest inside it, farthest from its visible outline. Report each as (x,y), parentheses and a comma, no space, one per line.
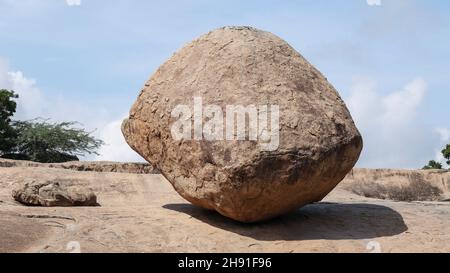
(39,140)
(7,110)
(42,141)
(446,153)
(433,165)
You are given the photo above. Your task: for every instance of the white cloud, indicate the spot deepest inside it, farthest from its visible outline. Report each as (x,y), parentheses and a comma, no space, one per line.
(363,94)
(30,102)
(374,2)
(33,103)
(115,148)
(73,2)
(400,106)
(393,135)
(444,133)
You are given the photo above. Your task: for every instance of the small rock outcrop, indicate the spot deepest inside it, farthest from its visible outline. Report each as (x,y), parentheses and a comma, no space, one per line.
(53,194)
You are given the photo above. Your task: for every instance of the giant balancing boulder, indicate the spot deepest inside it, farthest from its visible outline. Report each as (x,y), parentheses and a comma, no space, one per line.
(239,122)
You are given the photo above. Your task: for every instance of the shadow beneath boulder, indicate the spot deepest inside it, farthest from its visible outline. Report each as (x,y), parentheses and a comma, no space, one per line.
(328,221)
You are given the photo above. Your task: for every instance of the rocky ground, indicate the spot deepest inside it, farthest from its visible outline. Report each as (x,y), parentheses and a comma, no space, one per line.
(142,213)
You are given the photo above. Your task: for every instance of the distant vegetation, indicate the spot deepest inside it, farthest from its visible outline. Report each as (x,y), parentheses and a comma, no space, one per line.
(40,140)
(7,110)
(446,153)
(434,165)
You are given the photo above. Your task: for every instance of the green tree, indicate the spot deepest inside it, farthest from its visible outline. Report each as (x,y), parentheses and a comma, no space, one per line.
(446,153)
(7,110)
(433,165)
(42,141)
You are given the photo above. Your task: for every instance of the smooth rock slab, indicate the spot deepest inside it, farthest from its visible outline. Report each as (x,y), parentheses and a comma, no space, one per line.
(318,141)
(53,194)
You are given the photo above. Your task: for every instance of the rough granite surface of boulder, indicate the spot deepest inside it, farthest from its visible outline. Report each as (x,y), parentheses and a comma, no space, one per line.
(318,140)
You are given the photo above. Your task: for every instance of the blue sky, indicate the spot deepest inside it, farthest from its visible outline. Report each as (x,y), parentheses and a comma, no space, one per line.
(87,62)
